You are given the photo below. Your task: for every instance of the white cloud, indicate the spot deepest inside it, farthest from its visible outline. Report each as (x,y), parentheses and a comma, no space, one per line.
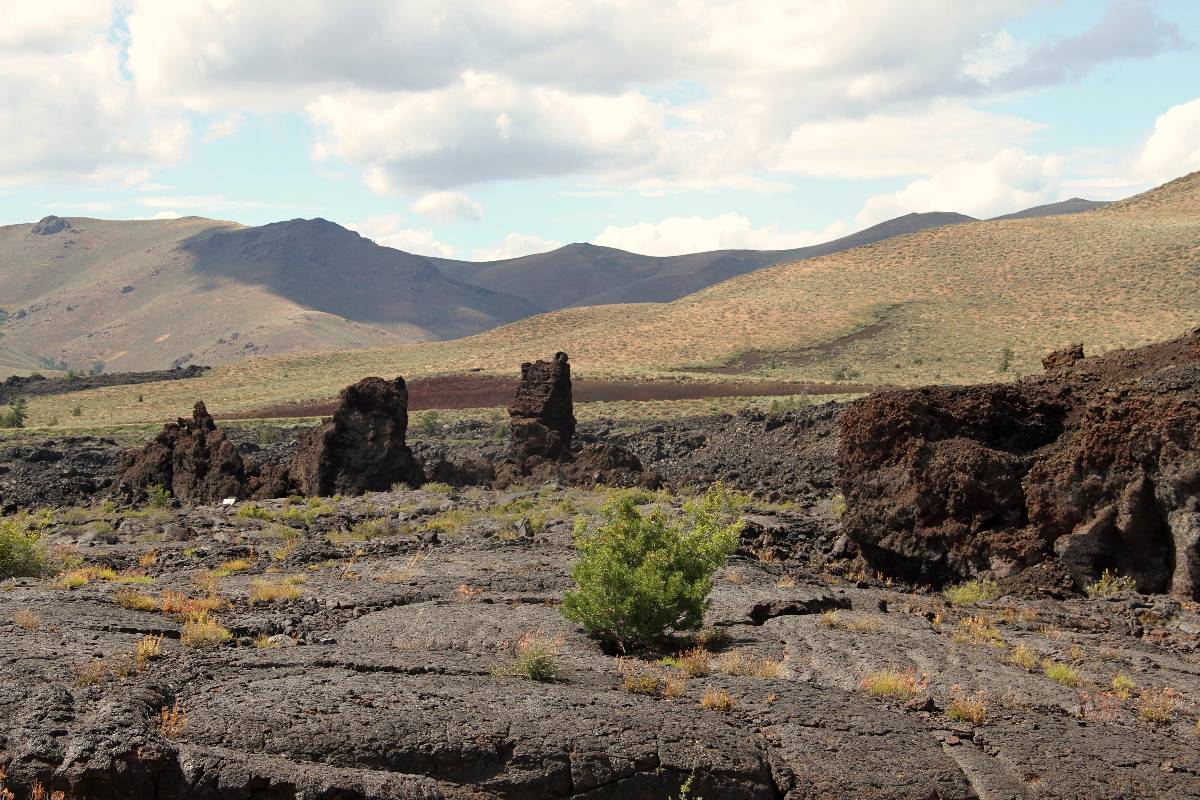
(226,125)
(514,245)
(447,207)
(211,202)
(732,231)
(443,94)
(389,230)
(1174,147)
(1010,181)
(67,110)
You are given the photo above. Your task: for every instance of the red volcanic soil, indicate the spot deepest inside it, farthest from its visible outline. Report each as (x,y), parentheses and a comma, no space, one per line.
(482,391)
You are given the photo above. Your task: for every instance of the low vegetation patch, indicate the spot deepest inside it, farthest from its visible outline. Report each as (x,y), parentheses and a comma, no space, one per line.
(134,600)
(1158,705)
(265,591)
(536,658)
(737,663)
(835,621)
(26,619)
(1061,673)
(972,592)
(1123,686)
(172,720)
(21,554)
(893,685)
(1024,658)
(202,630)
(964,707)
(719,701)
(147,648)
(977,630)
(642,576)
(1109,584)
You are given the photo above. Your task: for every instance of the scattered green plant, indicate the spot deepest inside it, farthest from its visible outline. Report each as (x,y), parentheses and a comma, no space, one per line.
(1123,686)
(640,577)
(536,658)
(21,553)
(158,496)
(1024,658)
(1110,583)
(1061,673)
(966,707)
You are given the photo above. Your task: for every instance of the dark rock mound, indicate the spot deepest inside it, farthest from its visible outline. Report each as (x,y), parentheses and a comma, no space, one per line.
(40,386)
(48,226)
(542,443)
(191,457)
(1095,464)
(362,447)
(542,413)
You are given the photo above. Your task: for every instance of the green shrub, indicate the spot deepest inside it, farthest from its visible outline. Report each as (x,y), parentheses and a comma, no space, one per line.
(641,577)
(15,416)
(537,658)
(158,496)
(254,511)
(20,550)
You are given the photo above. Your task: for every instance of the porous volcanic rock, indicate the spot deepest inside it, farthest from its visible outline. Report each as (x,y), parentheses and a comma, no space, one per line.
(542,445)
(1095,464)
(362,447)
(1066,357)
(191,457)
(542,414)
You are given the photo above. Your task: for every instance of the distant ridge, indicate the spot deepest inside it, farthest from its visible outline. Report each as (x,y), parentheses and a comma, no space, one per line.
(1075,205)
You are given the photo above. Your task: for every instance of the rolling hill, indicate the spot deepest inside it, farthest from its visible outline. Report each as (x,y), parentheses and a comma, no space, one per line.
(589,275)
(88,294)
(969,302)
(132,295)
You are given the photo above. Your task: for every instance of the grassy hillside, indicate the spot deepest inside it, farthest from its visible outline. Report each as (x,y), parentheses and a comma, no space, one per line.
(135,295)
(969,302)
(588,275)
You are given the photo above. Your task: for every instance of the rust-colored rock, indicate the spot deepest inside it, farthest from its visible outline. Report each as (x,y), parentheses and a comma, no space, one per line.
(190,457)
(362,447)
(1061,359)
(542,414)
(1095,464)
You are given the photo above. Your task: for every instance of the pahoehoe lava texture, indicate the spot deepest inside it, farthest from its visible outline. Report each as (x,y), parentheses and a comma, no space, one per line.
(1093,466)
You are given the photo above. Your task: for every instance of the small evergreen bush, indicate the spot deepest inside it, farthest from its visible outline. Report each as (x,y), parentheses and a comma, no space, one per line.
(642,576)
(20,549)
(15,416)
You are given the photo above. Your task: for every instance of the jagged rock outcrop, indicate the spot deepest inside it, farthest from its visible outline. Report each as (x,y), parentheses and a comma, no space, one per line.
(362,447)
(1094,465)
(542,441)
(191,457)
(542,413)
(1066,357)
(48,226)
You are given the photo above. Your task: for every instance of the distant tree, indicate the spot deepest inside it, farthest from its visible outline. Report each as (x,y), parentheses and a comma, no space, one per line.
(1006,358)
(16,415)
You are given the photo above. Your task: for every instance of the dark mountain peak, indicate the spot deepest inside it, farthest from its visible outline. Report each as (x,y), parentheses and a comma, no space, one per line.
(1074,205)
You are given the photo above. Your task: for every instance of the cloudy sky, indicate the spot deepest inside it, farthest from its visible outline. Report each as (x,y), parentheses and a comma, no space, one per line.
(491,129)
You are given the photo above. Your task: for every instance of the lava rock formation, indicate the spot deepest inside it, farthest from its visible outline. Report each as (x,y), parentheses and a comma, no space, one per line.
(1093,466)
(362,447)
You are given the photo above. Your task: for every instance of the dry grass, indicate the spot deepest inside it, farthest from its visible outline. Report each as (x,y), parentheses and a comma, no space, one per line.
(1041,283)
(134,600)
(202,630)
(1158,705)
(1060,673)
(972,592)
(183,606)
(835,621)
(148,648)
(977,630)
(719,701)
(1024,658)
(738,663)
(893,684)
(26,619)
(264,591)
(172,720)
(966,707)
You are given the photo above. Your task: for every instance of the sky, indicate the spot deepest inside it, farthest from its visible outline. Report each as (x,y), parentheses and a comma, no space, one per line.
(483,130)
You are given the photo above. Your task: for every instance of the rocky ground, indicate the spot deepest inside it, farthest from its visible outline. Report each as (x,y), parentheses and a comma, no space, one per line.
(370,655)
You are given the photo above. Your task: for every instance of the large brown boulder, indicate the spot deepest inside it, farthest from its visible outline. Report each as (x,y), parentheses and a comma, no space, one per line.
(1094,465)
(542,414)
(362,447)
(191,458)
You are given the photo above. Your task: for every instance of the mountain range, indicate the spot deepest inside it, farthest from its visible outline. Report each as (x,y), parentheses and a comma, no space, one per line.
(91,294)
